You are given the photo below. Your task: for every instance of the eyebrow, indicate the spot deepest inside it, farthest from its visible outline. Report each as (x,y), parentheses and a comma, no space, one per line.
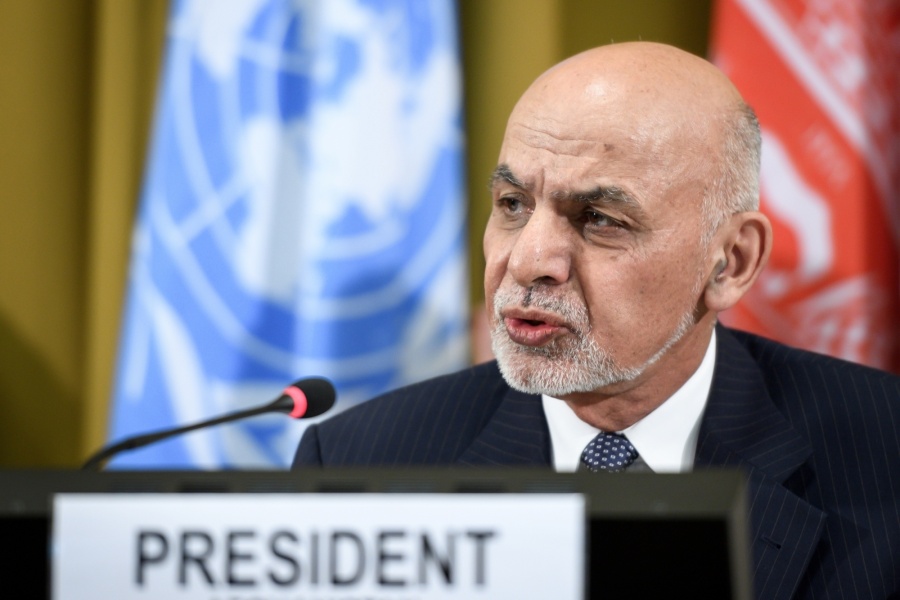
(504,173)
(606,194)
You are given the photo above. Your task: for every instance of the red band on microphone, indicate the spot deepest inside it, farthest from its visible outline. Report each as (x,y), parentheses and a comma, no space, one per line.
(299,398)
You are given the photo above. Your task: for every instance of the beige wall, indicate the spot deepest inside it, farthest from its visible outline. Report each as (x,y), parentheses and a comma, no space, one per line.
(77,81)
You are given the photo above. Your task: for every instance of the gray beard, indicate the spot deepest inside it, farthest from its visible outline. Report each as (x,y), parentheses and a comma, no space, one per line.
(568,364)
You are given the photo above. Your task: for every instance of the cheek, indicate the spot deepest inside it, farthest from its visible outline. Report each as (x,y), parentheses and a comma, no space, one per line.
(634,301)
(496,248)
(663,300)
(495,260)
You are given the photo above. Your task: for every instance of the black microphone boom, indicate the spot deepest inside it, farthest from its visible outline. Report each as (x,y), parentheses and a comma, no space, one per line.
(302,399)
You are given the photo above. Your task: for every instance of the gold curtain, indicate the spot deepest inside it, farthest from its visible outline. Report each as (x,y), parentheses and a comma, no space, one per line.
(78,84)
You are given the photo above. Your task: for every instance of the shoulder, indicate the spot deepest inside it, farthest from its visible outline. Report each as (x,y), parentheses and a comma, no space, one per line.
(432,399)
(836,405)
(794,371)
(424,423)
(843,420)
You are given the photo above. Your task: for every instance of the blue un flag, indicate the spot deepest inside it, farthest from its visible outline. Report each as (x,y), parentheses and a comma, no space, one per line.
(302,214)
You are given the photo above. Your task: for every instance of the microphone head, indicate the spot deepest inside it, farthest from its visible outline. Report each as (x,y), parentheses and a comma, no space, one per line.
(307,398)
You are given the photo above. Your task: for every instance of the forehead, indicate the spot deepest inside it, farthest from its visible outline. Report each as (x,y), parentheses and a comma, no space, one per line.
(554,158)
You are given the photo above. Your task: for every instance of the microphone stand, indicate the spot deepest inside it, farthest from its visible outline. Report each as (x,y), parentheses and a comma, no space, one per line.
(283,404)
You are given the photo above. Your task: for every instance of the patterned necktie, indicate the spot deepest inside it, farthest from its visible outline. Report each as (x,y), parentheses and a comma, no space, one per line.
(610,452)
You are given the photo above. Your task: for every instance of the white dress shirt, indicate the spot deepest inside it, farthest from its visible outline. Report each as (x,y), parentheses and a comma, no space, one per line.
(666,439)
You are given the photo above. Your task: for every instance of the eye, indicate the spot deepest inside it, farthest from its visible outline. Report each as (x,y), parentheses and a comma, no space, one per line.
(511,205)
(597,219)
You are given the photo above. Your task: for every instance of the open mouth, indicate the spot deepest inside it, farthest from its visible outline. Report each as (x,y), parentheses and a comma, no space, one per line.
(532,332)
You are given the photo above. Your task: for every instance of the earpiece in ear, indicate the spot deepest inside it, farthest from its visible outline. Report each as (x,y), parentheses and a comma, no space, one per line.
(720,269)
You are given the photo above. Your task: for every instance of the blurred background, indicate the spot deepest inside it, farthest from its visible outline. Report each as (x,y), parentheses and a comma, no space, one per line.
(79,89)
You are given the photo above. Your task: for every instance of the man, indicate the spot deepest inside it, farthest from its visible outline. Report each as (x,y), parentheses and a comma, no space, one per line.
(624,220)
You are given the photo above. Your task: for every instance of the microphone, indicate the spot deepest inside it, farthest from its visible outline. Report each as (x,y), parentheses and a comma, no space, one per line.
(302,399)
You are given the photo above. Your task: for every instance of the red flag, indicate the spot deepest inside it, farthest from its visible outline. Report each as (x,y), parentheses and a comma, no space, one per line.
(824,79)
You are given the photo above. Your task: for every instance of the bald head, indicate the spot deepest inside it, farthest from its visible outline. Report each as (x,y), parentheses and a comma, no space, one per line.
(678,107)
(645,72)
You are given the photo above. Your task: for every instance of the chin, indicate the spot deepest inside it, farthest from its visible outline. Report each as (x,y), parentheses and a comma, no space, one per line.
(556,372)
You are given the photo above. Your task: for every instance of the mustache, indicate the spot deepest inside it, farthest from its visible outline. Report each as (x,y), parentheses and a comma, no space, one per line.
(570,309)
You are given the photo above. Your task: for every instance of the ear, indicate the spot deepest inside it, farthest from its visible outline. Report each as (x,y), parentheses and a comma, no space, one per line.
(739,253)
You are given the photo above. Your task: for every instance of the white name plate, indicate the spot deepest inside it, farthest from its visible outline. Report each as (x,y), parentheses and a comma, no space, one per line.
(318,547)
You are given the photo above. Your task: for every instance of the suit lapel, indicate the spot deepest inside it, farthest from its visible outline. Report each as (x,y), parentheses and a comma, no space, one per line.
(742,428)
(516,434)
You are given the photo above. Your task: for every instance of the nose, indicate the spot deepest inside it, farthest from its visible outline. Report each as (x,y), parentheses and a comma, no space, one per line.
(542,252)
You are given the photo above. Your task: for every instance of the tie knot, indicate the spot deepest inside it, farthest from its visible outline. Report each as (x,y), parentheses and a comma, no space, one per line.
(610,452)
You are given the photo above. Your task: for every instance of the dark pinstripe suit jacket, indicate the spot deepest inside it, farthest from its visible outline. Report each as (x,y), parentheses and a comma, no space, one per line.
(818,438)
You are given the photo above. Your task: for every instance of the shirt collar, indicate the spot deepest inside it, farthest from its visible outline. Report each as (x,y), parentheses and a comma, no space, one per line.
(666,439)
